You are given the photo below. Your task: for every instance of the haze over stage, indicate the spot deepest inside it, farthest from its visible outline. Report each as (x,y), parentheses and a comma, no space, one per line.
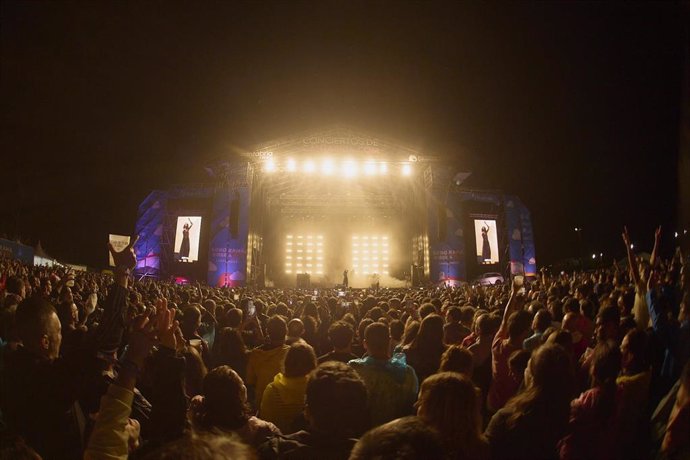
(340,199)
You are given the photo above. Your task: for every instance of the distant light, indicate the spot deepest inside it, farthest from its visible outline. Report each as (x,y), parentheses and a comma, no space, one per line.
(632,246)
(349,169)
(370,168)
(383,168)
(594,256)
(577,229)
(269,165)
(327,167)
(675,234)
(309,166)
(291,165)
(407,169)
(601,254)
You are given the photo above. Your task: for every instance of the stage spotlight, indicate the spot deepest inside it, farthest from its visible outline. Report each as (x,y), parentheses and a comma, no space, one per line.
(327,167)
(370,168)
(383,168)
(291,165)
(406,169)
(309,166)
(349,169)
(270,165)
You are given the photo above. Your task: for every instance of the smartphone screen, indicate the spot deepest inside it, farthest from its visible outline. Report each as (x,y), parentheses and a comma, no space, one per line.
(519,280)
(251,310)
(236,297)
(341,293)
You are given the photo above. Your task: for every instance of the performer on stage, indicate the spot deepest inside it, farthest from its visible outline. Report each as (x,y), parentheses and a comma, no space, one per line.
(184,247)
(486,248)
(345,280)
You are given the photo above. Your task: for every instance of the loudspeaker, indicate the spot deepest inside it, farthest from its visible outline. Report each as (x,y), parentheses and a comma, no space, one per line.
(442,222)
(303,281)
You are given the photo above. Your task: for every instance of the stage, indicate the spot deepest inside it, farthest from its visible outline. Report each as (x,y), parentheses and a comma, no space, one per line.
(310,206)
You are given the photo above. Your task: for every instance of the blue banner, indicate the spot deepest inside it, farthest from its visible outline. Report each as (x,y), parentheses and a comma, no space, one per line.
(227,257)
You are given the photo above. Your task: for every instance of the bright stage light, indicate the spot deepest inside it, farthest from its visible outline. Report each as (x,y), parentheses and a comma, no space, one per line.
(270,165)
(370,168)
(305,261)
(349,169)
(309,166)
(291,165)
(406,169)
(373,257)
(327,167)
(383,168)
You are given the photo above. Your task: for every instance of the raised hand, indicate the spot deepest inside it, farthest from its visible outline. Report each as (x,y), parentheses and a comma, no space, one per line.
(166,324)
(626,237)
(141,339)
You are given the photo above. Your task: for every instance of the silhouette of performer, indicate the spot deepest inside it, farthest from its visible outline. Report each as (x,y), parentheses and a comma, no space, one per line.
(486,248)
(184,247)
(345,280)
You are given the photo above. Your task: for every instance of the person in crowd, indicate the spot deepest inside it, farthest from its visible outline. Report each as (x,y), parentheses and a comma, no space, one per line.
(406,438)
(391,383)
(450,403)
(457,359)
(396,329)
(424,352)
(595,417)
(222,407)
(332,388)
(204,447)
(340,335)
(295,331)
(481,354)
(533,421)
(411,331)
(190,323)
(39,386)
(511,334)
(264,362)
(229,349)
(283,399)
(542,320)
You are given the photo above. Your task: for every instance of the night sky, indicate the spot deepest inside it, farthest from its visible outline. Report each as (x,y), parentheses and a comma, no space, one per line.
(572,106)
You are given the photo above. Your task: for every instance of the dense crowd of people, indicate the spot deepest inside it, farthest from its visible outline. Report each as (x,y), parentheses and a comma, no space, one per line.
(589,365)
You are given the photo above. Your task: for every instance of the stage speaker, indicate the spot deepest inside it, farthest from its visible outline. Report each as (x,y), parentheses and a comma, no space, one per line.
(234,220)
(442,223)
(303,281)
(414,275)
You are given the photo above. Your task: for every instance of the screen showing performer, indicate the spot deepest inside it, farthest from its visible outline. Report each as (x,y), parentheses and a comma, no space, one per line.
(487,241)
(187,238)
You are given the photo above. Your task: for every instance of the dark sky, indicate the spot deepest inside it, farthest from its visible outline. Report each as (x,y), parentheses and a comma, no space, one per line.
(573,106)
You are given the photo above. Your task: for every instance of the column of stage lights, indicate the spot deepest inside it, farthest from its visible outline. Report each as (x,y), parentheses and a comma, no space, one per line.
(370,254)
(304,254)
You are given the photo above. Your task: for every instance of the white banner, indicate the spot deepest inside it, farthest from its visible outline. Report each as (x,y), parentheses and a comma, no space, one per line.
(119,242)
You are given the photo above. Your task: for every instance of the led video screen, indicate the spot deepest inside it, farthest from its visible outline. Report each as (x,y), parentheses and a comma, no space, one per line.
(187,235)
(487,241)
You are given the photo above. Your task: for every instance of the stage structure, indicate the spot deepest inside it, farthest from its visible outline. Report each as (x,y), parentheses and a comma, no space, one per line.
(300,211)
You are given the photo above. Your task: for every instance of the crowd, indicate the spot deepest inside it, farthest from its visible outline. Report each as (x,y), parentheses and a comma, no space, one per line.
(590,365)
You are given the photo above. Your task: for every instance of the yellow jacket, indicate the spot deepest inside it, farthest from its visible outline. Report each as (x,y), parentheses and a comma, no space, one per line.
(283,401)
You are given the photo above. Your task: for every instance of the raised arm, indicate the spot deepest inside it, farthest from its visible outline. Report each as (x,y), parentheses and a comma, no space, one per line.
(111,437)
(632,263)
(510,307)
(655,251)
